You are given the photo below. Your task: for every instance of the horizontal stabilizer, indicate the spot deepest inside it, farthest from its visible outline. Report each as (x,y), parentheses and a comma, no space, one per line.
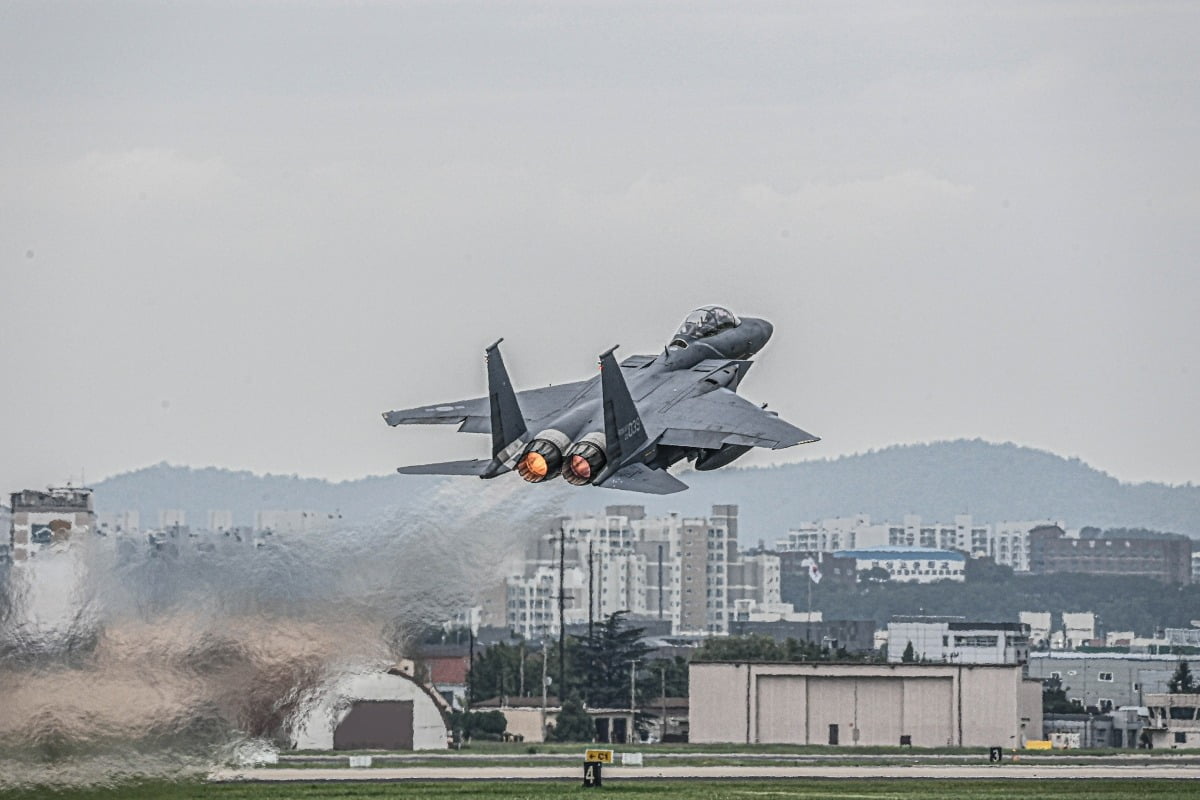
(474,466)
(432,415)
(640,478)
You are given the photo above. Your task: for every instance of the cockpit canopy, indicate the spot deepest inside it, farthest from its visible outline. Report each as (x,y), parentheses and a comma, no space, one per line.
(705,321)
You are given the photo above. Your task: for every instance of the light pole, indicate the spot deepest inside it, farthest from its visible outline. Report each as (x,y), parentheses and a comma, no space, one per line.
(662,675)
(562,597)
(545,658)
(633,662)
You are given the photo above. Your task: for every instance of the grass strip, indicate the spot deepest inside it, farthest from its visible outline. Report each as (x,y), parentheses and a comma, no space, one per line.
(809,789)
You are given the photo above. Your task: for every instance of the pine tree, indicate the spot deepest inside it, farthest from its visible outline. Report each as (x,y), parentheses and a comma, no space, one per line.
(910,654)
(605,661)
(574,724)
(1054,698)
(1182,682)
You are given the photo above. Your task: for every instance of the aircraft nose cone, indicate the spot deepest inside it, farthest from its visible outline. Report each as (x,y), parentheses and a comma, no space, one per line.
(762,330)
(759,331)
(767,330)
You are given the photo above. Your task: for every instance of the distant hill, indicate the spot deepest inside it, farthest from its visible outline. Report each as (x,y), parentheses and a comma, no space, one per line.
(199,490)
(992,482)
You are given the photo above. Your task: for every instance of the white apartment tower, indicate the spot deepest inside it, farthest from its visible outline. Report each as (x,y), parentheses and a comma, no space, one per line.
(669,568)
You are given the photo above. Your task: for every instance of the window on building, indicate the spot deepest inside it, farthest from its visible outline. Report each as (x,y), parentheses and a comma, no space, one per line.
(1105,676)
(1180,737)
(976,641)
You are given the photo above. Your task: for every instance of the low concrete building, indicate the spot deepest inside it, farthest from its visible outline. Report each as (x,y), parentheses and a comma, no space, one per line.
(1079,629)
(447,666)
(119,523)
(1040,623)
(954,640)
(667,719)
(527,719)
(925,705)
(1105,681)
(1183,637)
(1174,721)
(1121,728)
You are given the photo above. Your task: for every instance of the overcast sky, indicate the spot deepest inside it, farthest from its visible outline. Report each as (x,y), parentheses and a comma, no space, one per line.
(233,234)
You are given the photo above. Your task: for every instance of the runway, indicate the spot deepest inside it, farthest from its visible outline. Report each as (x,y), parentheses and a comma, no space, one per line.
(922,771)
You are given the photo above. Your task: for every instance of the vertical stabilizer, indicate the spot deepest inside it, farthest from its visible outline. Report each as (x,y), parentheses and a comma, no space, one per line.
(623,429)
(508,425)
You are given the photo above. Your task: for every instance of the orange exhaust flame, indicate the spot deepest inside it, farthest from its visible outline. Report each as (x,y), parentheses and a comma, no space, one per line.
(581,467)
(533,467)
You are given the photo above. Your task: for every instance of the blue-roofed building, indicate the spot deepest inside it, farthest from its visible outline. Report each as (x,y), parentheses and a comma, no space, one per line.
(910,564)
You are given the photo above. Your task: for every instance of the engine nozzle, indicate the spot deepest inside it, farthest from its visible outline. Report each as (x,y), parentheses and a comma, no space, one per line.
(584,461)
(542,458)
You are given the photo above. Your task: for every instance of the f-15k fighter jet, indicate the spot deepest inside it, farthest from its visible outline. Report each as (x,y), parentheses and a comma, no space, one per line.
(623,428)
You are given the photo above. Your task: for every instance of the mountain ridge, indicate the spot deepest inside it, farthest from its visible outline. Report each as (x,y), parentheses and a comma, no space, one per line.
(991,481)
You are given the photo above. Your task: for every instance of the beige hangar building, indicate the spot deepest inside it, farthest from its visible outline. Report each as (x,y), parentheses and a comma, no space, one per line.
(925,705)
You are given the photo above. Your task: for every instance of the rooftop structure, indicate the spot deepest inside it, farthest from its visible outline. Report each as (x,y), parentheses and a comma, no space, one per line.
(954,640)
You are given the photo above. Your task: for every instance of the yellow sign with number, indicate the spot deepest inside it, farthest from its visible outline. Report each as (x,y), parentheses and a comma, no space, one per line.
(602,756)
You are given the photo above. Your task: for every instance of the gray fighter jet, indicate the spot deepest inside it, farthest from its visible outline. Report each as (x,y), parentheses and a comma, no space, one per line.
(623,428)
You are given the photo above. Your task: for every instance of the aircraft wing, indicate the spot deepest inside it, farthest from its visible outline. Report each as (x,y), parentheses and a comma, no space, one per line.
(641,478)
(474,415)
(722,417)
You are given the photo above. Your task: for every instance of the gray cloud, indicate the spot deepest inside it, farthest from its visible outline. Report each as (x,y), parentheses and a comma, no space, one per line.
(255,228)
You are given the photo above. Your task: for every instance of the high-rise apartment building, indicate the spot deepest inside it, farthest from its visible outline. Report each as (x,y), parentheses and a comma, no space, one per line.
(682,571)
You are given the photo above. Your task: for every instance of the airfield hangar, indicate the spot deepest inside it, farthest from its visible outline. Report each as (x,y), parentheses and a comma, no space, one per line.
(373,710)
(822,703)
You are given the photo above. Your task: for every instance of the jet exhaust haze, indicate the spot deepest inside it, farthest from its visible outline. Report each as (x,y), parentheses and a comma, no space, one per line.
(120,660)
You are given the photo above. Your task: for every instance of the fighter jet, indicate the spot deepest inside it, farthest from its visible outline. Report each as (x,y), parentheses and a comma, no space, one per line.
(623,428)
